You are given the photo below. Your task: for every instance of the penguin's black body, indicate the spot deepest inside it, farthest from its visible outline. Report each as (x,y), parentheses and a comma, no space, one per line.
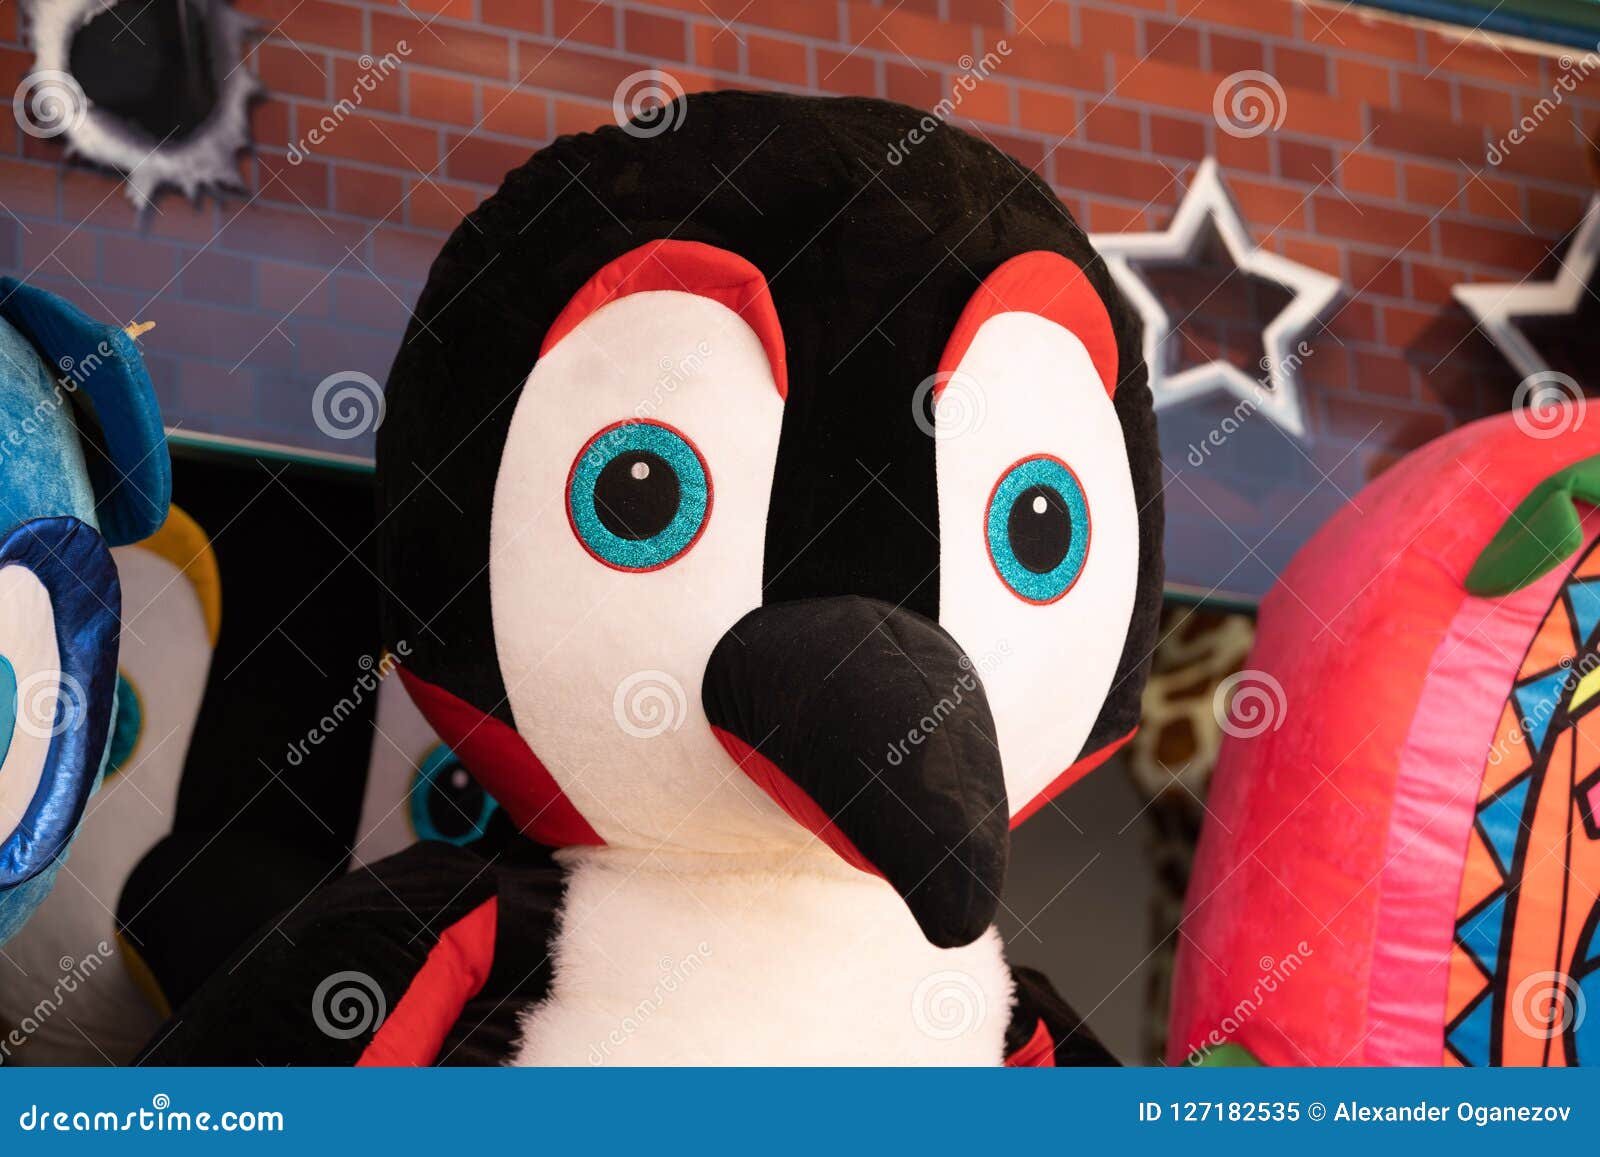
(702,583)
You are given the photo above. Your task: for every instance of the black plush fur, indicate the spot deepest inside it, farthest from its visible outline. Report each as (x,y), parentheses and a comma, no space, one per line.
(869,265)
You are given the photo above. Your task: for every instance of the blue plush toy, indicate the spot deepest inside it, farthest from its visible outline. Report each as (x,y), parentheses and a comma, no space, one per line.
(83,467)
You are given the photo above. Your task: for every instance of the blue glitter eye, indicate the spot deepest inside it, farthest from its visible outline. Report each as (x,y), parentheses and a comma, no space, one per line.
(1038,528)
(446,802)
(638,496)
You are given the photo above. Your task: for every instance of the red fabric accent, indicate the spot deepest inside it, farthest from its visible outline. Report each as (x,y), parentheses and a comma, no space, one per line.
(1038,1053)
(504,764)
(687,267)
(1069,777)
(1041,283)
(453,973)
(792,799)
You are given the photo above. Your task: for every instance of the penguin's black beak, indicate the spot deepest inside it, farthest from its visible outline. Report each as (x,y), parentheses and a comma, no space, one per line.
(868,724)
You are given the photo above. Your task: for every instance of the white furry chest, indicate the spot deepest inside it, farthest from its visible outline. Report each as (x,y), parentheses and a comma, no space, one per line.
(680,964)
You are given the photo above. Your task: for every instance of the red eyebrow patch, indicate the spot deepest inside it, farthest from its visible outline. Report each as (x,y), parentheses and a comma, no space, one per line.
(1050,286)
(685,267)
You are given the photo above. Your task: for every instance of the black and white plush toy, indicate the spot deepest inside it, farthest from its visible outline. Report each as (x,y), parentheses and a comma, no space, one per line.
(770,528)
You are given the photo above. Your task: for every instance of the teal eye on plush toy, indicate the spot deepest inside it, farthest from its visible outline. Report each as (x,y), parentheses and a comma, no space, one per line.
(446,802)
(638,496)
(1038,528)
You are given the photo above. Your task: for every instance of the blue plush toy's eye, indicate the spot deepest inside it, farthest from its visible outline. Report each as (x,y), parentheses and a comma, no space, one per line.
(1038,528)
(638,496)
(446,802)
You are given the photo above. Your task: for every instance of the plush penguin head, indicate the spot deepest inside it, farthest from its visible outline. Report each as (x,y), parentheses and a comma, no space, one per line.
(83,466)
(743,488)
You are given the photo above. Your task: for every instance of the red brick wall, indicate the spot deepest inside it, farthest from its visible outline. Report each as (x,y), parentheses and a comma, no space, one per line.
(1377,174)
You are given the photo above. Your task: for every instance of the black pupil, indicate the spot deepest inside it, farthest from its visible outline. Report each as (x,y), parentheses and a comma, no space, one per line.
(150,64)
(1040,529)
(455,802)
(637,494)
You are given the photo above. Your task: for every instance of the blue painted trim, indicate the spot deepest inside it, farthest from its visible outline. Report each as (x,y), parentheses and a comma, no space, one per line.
(71,561)
(1502,20)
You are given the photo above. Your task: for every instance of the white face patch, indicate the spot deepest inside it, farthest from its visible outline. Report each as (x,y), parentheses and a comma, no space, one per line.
(28,642)
(1036,583)
(607,608)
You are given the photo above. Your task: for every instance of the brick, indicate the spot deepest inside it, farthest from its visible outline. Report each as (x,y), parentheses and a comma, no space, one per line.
(1503,65)
(1054,65)
(1132,179)
(454,9)
(1431,186)
(1113,217)
(1047,112)
(578,73)
(1368,223)
(1381,373)
(393,144)
(527,16)
(1106,124)
(1177,138)
(435,205)
(431,97)
(269,124)
(1547,156)
(717,48)
(1271,16)
(402,253)
(1488,106)
(659,38)
(1302,161)
(292,290)
(1431,282)
(275,231)
(985,100)
(1511,249)
(57,250)
(1049,20)
(846,75)
(1358,30)
(1104,31)
(26,188)
(287,70)
(1404,132)
(1029,153)
(303,185)
(1248,154)
(1380,275)
(783,61)
(370,195)
(312,22)
(135,263)
(900,34)
(218,279)
(1553,213)
(1425,95)
(579,117)
(820,20)
(1370,175)
(905,84)
(1173,43)
(1270,206)
(373,87)
(1301,69)
(515,113)
(480,53)
(1230,54)
(477,159)
(1379,423)
(366,301)
(1488,196)
(1364,80)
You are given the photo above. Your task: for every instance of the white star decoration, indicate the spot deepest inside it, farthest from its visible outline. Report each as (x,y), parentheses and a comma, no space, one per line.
(1495,306)
(1276,394)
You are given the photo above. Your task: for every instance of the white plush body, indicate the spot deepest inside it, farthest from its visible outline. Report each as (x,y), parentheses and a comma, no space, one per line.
(792,959)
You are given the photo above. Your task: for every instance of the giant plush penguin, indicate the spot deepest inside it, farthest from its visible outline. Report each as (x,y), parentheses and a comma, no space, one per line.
(770,526)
